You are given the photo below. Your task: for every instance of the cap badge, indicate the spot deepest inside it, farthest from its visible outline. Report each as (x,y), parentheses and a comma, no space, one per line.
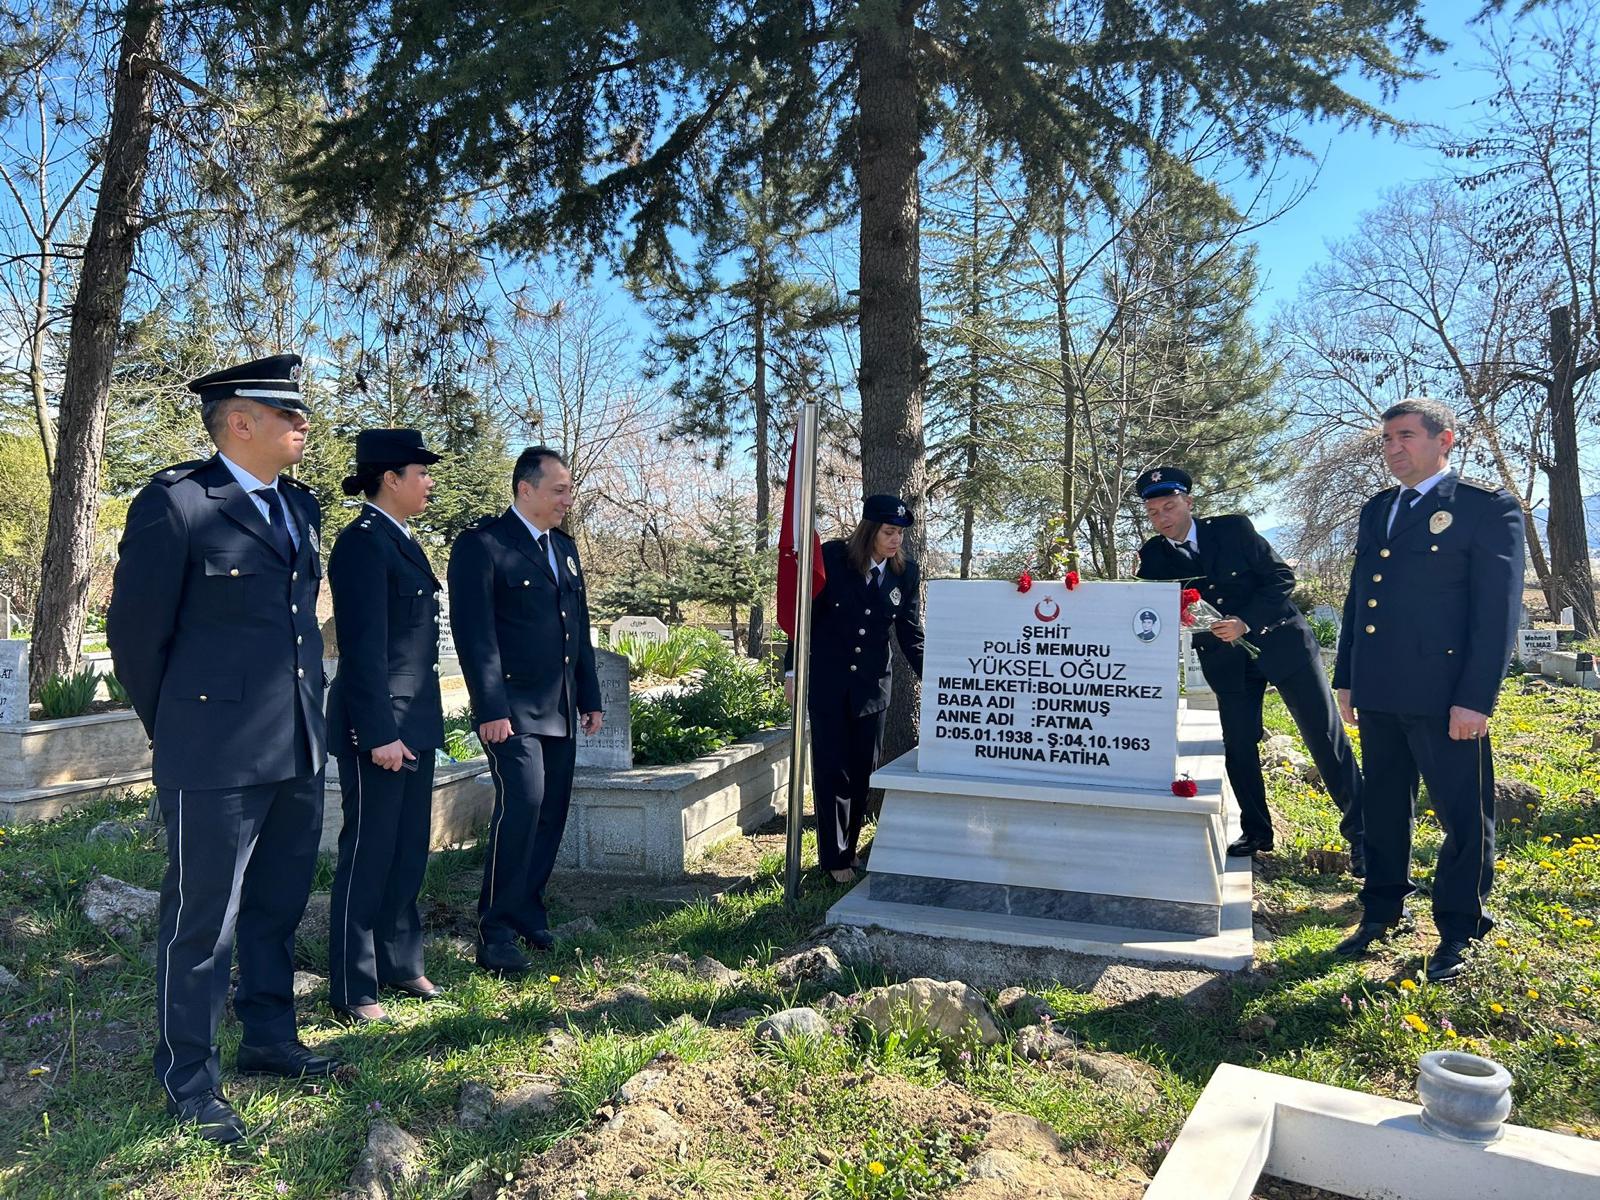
(894,596)
(1155,476)
(900,510)
(1440,521)
(294,373)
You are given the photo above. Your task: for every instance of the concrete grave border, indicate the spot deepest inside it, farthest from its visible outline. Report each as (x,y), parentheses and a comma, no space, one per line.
(1251,1123)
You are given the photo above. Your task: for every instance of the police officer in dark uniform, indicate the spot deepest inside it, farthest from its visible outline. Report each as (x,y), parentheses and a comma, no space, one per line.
(213,631)
(871,590)
(1435,594)
(1240,575)
(385,721)
(520,613)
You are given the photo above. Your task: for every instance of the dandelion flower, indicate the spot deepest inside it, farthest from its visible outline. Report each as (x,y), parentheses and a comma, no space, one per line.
(1427,812)
(876,1168)
(1415,1022)
(555,979)
(1502,943)
(1497,1008)
(1533,993)
(1409,985)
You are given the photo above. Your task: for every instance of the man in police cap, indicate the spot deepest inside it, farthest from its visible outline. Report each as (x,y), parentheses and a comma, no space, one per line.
(1240,575)
(213,631)
(519,610)
(1429,621)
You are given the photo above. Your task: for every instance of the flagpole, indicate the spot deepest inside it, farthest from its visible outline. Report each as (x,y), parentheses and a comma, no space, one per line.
(804,531)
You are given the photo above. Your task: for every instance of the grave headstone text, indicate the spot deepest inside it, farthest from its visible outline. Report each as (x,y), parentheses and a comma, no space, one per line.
(13,682)
(1534,644)
(1050,684)
(612,747)
(644,629)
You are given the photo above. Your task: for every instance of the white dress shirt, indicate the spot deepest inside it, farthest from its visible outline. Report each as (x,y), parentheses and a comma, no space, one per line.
(251,485)
(549,542)
(1422,489)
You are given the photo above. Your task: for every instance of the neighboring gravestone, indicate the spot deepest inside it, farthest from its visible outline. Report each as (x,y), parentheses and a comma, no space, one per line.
(447,639)
(643,629)
(1534,644)
(13,682)
(612,747)
(1526,619)
(1325,612)
(5,617)
(1194,679)
(1567,616)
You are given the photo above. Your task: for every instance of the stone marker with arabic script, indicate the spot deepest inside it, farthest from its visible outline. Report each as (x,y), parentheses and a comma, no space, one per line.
(1048,684)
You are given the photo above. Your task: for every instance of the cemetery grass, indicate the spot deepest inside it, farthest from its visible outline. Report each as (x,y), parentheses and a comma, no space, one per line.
(81,1116)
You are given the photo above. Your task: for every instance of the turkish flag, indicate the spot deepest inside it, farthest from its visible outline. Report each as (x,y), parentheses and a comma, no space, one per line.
(789,544)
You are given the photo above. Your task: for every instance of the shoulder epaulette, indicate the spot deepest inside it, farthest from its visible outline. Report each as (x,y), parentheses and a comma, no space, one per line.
(182,471)
(295,483)
(1483,485)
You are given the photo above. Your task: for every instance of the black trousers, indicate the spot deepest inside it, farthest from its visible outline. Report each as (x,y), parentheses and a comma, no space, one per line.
(532,793)
(239,861)
(374,929)
(1395,750)
(844,752)
(1309,701)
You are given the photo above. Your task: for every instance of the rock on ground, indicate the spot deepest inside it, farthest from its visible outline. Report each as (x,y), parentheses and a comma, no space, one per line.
(1021,1007)
(314,924)
(119,908)
(536,1098)
(648,1126)
(576,928)
(306,984)
(8,981)
(112,833)
(474,1105)
(1127,1077)
(1020,1158)
(816,964)
(954,1011)
(641,1084)
(708,968)
(792,1022)
(390,1164)
(1042,1043)
(1515,798)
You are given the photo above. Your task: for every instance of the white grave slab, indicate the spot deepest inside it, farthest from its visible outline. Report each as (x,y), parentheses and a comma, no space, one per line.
(1568,618)
(612,747)
(1048,684)
(13,682)
(643,629)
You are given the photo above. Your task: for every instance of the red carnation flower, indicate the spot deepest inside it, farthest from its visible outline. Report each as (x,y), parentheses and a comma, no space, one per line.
(1185,787)
(1071,580)
(1189,596)
(1024,581)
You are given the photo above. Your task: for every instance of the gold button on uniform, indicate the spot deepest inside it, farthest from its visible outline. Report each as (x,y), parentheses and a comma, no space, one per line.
(234,571)
(1435,549)
(203,699)
(1372,604)
(525,583)
(852,666)
(1372,629)
(1377,579)
(1383,553)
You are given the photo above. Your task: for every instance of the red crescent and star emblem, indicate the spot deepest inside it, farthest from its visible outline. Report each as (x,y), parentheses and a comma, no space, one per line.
(1040,612)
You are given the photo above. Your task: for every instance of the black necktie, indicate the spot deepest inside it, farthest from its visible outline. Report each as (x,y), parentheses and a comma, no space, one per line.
(877,578)
(543,542)
(1409,497)
(1185,549)
(276,522)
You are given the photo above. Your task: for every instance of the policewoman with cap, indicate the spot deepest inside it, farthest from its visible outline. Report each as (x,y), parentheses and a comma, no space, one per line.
(213,631)
(872,589)
(385,721)
(1240,575)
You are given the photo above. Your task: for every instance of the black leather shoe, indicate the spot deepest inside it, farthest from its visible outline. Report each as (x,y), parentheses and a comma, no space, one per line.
(1359,943)
(1358,860)
(354,1016)
(214,1116)
(540,939)
(1448,960)
(1248,846)
(289,1059)
(408,987)
(503,958)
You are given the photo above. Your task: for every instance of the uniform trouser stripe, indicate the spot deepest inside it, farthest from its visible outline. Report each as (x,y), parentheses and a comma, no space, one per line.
(355,851)
(491,870)
(166,979)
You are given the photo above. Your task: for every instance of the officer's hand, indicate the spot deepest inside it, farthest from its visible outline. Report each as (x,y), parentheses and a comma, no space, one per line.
(391,757)
(1230,629)
(1465,724)
(591,722)
(492,733)
(788,691)
(1346,709)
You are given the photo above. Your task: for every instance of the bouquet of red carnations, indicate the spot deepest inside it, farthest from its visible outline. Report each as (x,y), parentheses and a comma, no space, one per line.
(1197,614)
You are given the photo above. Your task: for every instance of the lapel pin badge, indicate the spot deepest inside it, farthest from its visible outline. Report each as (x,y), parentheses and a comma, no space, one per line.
(1439,522)
(894,596)
(572,566)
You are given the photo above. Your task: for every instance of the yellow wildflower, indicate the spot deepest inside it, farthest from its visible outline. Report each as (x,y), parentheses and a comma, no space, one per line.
(1497,1008)
(1502,943)
(876,1168)
(1415,1022)
(1451,1033)
(1427,812)
(1533,993)
(1410,985)
(555,979)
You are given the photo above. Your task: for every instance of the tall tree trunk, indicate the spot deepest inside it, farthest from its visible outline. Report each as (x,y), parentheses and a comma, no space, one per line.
(1567,532)
(760,405)
(92,346)
(41,299)
(1069,408)
(893,455)
(969,506)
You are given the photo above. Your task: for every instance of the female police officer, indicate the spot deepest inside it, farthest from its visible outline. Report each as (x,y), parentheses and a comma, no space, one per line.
(872,587)
(384,723)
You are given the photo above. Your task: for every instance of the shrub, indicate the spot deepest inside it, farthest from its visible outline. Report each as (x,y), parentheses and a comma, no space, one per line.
(461,736)
(115,690)
(68,695)
(732,700)
(686,648)
(1326,631)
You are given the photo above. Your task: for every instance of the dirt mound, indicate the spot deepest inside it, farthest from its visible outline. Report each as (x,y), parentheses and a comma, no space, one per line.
(710,1129)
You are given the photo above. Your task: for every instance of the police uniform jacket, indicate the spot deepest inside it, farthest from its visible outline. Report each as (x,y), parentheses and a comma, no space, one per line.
(214,634)
(386,613)
(522,635)
(1432,611)
(1240,575)
(850,624)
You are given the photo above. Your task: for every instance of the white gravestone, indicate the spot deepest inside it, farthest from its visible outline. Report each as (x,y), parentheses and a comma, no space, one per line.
(642,629)
(1525,620)
(13,682)
(1567,616)
(447,638)
(5,617)
(1194,677)
(612,747)
(1048,684)
(1534,644)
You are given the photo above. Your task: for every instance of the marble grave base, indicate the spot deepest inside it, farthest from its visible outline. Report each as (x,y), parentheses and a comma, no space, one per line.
(1123,872)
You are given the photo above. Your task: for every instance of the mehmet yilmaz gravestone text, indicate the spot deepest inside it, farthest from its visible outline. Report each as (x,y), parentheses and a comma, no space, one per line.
(1048,685)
